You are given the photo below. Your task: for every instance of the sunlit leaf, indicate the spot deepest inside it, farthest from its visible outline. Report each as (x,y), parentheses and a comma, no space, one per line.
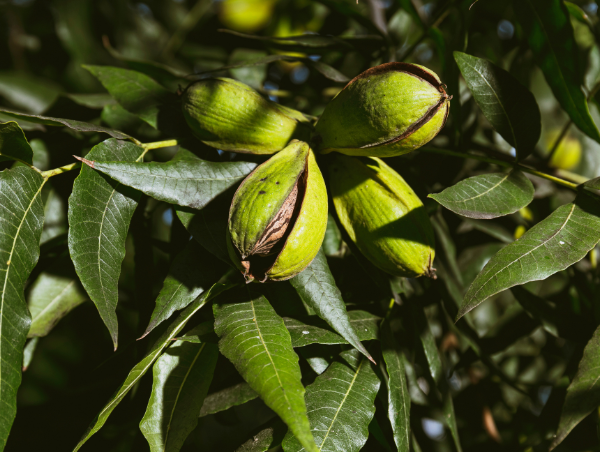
(551,39)
(555,243)
(313,330)
(142,367)
(185,183)
(21,221)
(136,92)
(488,195)
(317,288)
(255,340)
(100,210)
(583,394)
(340,405)
(29,351)
(181,377)
(509,106)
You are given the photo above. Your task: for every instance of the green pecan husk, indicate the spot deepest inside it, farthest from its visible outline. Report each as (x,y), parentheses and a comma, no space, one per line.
(388,110)
(382,215)
(278,216)
(231,116)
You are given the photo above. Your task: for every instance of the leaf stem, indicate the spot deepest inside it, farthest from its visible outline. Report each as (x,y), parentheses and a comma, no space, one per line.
(504,164)
(159,144)
(60,170)
(155,145)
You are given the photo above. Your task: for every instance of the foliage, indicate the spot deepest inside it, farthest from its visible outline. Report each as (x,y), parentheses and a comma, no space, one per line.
(125,326)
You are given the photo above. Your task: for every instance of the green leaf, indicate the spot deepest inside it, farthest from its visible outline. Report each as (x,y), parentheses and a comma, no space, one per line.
(317,288)
(185,183)
(397,389)
(583,395)
(425,335)
(209,225)
(181,377)
(488,195)
(554,244)
(324,69)
(136,92)
(508,105)
(333,237)
(313,330)
(13,144)
(142,367)
(577,13)
(60,122)
(552,42)
(28,352)
(51,297)
(490,228)
(340,405)
(556,322)
(190,273)
(226,398)
(265,440)
(28,92)
(100,211)
(21,222)
(255,340)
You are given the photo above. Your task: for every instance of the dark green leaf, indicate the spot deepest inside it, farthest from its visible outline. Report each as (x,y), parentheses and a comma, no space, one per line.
(226,398)
(191,272)
(340,405)
(409,7)
(100,211)
(21,222)
(428,342)
(397,389)
(307,40)
(267,439)
(136,92)
(556,322)
(325,69)
(185,183)
(13,144)
(311,329)
(493,230)
(181,377)
(555,243)
(488,196)
(142,367)
(317,288)
(551,39)
(255,340)
(28,92)
(583,394)
(508,105)
(51,297)
(70,123)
